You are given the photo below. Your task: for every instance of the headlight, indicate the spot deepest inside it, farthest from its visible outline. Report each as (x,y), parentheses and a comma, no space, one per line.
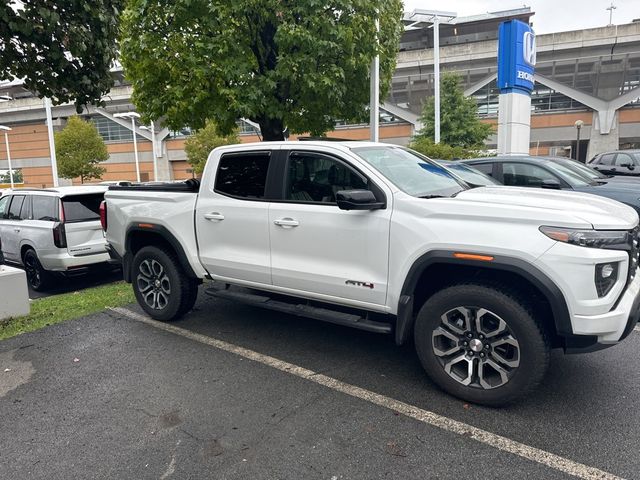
(610,239)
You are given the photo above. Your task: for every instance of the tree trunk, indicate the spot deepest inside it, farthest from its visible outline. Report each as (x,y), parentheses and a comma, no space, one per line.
(272,129)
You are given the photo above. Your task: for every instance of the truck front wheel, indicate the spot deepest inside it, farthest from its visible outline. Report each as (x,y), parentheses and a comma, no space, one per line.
(481,343)
(161,287)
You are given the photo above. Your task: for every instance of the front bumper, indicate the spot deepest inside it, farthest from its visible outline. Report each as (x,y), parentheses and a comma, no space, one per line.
(611,327)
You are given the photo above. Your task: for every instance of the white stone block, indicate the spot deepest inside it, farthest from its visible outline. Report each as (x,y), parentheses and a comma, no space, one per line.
(14,294)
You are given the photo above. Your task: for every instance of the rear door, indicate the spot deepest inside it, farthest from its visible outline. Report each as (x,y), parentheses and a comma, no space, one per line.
(232,218)
(5,201)
(81,214)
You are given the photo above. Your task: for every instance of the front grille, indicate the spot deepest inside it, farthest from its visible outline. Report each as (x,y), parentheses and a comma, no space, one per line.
(634,252)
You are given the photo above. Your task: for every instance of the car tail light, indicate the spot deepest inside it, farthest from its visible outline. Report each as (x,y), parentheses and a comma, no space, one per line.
(103,215)
(60,236)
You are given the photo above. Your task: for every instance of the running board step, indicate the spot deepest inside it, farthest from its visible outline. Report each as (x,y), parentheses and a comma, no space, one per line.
(324,314)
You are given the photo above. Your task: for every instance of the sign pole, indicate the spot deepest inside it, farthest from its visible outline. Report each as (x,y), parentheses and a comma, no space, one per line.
(516,68)
(436,74)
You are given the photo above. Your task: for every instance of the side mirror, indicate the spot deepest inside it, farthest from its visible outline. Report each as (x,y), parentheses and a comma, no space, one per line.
(358,200)
(628,165)
(551,184)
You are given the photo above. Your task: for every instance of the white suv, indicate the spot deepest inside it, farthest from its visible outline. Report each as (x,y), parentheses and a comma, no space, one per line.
(52,230)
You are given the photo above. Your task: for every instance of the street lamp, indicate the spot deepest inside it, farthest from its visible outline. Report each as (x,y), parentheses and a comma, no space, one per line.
(153,148)
(578,124)
(132,116)
(435,16)
(6,141)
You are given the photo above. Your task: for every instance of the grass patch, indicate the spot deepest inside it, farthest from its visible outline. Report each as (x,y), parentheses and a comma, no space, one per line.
(59,308)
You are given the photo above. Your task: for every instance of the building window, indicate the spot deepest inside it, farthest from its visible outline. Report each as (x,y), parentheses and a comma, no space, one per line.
(111,131)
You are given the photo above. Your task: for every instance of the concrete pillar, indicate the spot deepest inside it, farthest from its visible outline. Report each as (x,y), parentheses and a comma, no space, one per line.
(165,172)
(514,124)
(603,142)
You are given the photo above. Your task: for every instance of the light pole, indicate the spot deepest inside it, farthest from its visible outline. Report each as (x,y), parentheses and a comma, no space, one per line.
(435,16)
(6,141)
(153,148)
(133,116)
(52,143)
(611,9)
(578,124)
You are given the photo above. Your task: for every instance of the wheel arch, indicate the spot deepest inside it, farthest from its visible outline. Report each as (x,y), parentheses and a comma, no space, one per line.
(24,246)
(438,269)
(138,237)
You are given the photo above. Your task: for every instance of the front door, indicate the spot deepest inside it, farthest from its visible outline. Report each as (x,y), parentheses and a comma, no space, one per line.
(232,219)
(318,248)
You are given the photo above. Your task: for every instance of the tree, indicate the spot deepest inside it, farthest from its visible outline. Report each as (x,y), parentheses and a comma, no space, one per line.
(441,151)
(298,64)
(206,139)
(17,177)
(79,149)
(459,123)
(62,49)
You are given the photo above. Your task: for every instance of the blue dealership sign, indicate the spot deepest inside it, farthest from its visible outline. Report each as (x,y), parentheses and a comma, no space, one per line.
(516,57)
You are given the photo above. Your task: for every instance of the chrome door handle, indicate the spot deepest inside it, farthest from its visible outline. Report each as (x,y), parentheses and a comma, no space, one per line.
(286,222)
(214,216)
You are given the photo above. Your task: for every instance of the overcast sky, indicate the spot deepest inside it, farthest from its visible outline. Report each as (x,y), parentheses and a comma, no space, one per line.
(550,15)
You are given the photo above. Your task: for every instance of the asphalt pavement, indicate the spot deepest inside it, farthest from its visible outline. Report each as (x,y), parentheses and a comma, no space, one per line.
(107,396)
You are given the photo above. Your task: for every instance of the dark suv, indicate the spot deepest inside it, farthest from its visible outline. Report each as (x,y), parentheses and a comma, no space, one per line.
(625,162)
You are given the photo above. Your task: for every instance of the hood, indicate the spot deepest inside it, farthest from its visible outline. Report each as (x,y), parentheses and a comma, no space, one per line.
(601,213)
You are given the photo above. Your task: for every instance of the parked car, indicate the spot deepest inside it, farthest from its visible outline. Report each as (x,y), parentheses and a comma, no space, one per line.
(541,172)
(623,162)
(52,231)
(380,238)
(469,174)
(594,175)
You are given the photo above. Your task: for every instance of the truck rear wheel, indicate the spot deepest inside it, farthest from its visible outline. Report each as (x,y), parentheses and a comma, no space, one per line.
(161,287)
(481,343)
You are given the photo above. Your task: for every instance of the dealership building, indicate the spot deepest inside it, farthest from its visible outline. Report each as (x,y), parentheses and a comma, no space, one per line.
(587,76)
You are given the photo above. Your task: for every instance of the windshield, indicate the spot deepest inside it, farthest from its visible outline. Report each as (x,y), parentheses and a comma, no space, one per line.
(582,169)
(470,174)
(573,177)
(411,172)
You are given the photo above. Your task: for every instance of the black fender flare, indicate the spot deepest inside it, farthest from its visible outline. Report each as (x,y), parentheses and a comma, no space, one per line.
(162,232)
(553,294)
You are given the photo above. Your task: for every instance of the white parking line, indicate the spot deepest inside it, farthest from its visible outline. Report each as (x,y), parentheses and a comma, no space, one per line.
(533,454)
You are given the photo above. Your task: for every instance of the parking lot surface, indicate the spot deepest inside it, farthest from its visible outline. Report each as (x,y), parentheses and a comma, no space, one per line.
(109,396)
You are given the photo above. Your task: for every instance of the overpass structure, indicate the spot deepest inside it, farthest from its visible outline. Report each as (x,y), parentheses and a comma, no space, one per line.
(589,75)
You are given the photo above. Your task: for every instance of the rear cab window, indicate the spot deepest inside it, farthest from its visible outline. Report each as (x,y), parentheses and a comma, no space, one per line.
(82,208)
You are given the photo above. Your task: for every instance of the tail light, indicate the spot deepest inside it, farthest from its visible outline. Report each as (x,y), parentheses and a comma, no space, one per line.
(60,236)
(103,215)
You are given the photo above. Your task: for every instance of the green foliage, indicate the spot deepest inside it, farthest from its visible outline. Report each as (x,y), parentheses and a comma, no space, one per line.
(17,177)
(62,49)
(459,123)
(206,139)
(441,151)
(298,64)
(59,308)
(79,150)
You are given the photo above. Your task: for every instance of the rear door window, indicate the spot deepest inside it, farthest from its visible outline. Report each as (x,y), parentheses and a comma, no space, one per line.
(82,208)
(486,168)
(243,176)
(15,207)
(45,208)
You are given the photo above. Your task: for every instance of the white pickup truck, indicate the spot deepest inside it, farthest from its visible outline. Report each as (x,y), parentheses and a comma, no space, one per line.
(485,279)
